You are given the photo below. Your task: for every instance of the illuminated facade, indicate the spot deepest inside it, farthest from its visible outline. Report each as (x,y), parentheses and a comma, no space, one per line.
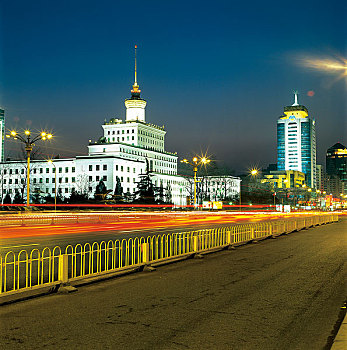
(285,179)
(296,142)
(126,150)
(2,134)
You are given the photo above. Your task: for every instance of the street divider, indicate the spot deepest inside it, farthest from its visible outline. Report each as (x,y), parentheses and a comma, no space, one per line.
(25,271)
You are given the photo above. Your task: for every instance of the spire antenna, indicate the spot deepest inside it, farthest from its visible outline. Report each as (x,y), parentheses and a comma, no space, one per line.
(136,89)
(295,99)
(135,67)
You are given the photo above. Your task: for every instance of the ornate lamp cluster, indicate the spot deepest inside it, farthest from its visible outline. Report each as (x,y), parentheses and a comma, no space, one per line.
(29,141)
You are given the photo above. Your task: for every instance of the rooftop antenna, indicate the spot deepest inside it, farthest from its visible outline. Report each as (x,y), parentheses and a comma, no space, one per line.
(295,99)
(135,86)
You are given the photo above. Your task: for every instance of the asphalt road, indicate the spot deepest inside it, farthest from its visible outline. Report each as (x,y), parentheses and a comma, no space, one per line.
(282,293)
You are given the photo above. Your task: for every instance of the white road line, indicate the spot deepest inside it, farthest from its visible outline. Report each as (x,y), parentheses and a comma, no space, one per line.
(18,246)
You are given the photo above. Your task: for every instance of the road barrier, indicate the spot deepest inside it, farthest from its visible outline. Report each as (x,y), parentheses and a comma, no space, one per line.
(50,267)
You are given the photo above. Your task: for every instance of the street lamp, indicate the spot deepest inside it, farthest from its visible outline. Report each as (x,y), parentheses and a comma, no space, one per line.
(50,161)
(196,161)
(29,143)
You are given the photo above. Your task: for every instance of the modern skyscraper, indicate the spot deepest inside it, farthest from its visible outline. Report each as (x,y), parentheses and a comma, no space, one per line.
(336,163)
(2,134)
(296,141)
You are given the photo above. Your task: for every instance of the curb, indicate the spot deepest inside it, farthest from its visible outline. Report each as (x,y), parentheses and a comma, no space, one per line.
(340,341)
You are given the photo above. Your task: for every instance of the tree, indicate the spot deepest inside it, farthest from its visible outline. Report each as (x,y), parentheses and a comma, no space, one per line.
(145,193)
(18,199)
(168,195)
(160,193)
(7,199)
(101,191)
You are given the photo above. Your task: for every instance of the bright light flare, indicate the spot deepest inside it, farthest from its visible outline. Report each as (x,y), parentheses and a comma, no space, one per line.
(334,65)
(27,132)
(254,172)
(13,133)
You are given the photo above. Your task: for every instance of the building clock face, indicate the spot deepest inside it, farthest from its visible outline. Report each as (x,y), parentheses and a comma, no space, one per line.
(292,117)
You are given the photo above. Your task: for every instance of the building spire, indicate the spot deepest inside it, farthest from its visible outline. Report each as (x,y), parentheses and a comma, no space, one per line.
(295,99)
(135,89)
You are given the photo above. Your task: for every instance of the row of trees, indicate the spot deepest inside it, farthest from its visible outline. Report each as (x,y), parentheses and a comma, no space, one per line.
(146,193)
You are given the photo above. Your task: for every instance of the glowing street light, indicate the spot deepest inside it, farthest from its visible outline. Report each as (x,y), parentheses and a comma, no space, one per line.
(196,161)
(29,143)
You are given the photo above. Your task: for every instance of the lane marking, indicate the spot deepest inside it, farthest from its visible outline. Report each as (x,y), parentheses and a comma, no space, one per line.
(18,246)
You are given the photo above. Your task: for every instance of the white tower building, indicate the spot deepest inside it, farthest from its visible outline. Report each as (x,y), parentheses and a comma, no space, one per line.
(135,106)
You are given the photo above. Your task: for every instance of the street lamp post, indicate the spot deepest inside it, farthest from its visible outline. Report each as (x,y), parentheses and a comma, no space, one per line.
(55,184)
(29,143)
(196,161)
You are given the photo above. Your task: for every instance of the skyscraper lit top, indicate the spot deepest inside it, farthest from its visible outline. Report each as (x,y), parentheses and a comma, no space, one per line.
(135,105)
(296,141)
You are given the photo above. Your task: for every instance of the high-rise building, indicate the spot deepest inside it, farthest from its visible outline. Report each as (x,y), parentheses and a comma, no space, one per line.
(2,134)
(336,163)
(296,141)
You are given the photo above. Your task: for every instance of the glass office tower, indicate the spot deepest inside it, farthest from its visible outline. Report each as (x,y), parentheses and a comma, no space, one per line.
(296,142)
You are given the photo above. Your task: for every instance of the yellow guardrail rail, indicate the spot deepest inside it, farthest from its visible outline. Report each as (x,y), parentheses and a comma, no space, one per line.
(23,271)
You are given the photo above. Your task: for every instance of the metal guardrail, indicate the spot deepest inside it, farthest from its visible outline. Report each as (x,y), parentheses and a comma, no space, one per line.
(23,271)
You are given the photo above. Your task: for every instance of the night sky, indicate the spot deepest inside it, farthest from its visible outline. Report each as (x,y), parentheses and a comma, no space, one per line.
(217,75)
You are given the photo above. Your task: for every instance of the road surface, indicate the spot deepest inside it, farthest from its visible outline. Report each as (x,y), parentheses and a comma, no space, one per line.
(282,293)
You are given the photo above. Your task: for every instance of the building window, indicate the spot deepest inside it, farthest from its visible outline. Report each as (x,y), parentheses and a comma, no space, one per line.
(90,189)
(128,169)
(16,171)
(104,167)
(104,178)
(66,169)
(66,180)
(128,179)
(116,167)
(60,180)
(47,170)
(53,180)
(34,181)
(97,178)
(10,171)
(47,180)
(16,181)
(41,170)
(90,168)
(53,170)
(66,190)
(132,130)
(90,178)
(53,190)
(121,168)
(97,167)
(73,179)
(41,180)
(73,169)
(60,170)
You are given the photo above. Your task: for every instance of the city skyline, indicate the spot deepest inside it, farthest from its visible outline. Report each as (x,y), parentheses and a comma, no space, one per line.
(218,89)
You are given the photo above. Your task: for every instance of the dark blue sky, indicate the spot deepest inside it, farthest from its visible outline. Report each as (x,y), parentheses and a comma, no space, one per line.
(217,75)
